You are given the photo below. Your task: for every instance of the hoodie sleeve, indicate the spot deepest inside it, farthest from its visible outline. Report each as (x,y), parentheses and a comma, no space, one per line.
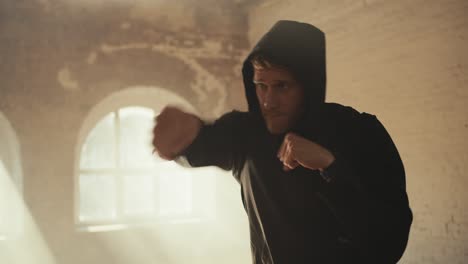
(366,192)
(220,144)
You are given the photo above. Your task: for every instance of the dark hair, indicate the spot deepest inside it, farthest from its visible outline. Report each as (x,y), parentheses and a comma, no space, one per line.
(260,62)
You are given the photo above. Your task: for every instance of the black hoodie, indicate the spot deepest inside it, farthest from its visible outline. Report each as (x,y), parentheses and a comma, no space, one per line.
(355,212)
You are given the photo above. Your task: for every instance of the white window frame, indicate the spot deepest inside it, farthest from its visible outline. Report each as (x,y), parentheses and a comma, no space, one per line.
(142,96)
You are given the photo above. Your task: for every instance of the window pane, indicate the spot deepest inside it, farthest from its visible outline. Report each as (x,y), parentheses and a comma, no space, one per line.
(175,190)
(97,197)
(139,194)
(136,125)
(204,189)
(99,148)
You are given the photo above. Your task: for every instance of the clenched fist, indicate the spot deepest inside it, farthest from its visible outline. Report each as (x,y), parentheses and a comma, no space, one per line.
(296,150)
(174,131)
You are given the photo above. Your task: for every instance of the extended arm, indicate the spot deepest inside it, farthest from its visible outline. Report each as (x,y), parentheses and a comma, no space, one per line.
(221,143)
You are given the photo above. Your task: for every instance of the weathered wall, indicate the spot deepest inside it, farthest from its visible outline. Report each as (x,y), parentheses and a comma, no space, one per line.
(406,62)
(60,58)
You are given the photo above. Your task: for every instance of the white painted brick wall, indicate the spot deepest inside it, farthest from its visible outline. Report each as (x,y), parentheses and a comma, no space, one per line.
(406,62)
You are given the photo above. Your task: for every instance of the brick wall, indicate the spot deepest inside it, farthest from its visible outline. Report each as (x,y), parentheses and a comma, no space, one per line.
(406,62)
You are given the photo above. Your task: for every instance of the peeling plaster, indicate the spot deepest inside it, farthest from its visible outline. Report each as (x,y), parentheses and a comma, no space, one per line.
(109,49)
(46,5)
(205,82)
(166,14)
(189,42)
(125,25)
(237,69)
(92,57)
(188,51)
(64,77)
(214,46)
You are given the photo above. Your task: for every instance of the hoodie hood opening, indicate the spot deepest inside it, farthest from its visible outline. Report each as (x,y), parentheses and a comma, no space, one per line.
(298,47)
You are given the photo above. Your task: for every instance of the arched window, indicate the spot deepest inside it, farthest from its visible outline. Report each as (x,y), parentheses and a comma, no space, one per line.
(11,214)
(120,181)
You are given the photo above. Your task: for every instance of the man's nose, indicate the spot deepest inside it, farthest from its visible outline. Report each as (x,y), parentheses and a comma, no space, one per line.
(270,100)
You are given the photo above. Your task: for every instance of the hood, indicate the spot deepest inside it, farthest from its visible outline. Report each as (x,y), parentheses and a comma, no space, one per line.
(300,48)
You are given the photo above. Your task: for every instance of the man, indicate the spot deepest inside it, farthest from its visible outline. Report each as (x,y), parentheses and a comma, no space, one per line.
(321,182)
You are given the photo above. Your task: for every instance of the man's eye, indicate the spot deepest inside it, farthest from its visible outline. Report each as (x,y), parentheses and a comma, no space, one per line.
(260,86)
(282,86)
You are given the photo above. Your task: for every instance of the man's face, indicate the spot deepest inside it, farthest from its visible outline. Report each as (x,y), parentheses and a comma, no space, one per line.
(280,96)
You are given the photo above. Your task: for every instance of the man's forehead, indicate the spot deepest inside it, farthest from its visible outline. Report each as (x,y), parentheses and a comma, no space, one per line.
(279,81)
(272,74)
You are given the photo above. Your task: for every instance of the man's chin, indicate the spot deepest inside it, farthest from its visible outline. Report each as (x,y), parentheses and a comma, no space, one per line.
(276,129)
